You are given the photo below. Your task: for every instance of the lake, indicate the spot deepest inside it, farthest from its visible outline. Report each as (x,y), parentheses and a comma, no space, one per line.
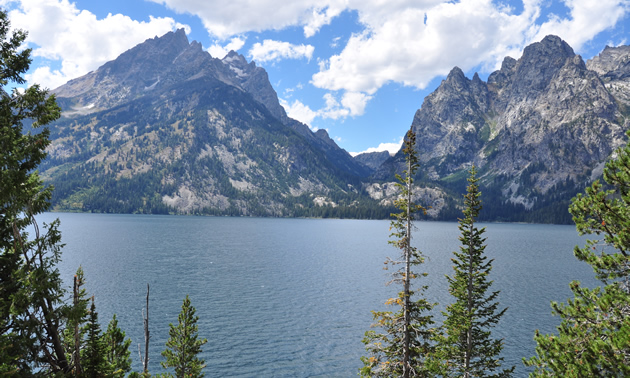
(293,297)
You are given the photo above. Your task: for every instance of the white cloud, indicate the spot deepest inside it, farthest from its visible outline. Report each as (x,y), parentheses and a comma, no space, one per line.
(588,18)
(271,50)
(412,45)
(403,41)
(355,102)
(320,17)
(399,47)
(352,104)
(392,148)
(59,31)
(224,19)
(297,110)
(333,109)
(220,52)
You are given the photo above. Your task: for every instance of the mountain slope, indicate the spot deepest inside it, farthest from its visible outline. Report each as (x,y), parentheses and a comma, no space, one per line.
(540,129)
(167,128)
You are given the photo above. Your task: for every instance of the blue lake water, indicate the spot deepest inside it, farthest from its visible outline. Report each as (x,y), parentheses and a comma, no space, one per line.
(293,297)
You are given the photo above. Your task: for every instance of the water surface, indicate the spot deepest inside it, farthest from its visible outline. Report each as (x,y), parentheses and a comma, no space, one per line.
(293,297)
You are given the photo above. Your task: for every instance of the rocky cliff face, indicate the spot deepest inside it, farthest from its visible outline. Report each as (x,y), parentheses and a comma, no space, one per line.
(613,66)
(543,123)
(167,128)
(372,160)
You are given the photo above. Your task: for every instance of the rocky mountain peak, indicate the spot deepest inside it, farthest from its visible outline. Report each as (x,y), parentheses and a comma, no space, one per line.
(323,135)
(238,63)
(456,78)
(498,80)
(235,58)
(134,72)
(542,125)
(372,160)
(254,80)
(148,57)
(612,63)
(539,63)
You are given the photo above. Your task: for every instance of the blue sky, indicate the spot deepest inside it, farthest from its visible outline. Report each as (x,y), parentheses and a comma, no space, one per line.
(357,68)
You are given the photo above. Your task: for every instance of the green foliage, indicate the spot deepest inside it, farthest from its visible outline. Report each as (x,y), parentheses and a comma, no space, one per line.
(184,345)
(464,345)
(402,348)
(593,338)
(93,355)
(30,287)
(117,352)
(77,315)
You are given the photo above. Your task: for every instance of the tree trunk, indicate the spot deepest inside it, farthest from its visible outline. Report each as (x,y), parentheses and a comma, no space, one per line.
(470,305)
(145,363)
(407,315)
(77,340)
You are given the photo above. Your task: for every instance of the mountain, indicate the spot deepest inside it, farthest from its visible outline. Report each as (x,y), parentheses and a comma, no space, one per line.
(540,129)
(166,128)
(372,160)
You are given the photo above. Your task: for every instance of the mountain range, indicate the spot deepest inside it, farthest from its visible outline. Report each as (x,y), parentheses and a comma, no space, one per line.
(167,128)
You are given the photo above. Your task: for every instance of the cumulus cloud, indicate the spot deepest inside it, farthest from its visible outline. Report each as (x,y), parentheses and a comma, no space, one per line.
(220,52)
(299,111)
(320,17)
(225,19)
(351,104)
(411,46)
(271,50)
(355,102)
(59,31)
(587,19)
(401,41)
(392,148)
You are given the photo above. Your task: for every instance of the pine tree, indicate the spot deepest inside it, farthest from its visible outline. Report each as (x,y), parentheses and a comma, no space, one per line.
(77,316)
(593,338)
(93,356)
(117,352)
(403,347)
(183,345)
(31,307)
(464,345)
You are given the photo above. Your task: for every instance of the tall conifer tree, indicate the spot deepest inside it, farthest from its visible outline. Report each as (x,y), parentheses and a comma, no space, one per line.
(465,347)
(593,338)
(403,347)
(77,316)
(117,352)
(184,344)
(93,356)
(31,308)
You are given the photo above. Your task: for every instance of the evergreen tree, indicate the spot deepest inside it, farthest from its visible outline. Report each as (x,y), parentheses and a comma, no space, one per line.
(93,356)
(403,347)
(77,316)
(31,305)
(183,345)
(593,338)
(465,347)
(117,352)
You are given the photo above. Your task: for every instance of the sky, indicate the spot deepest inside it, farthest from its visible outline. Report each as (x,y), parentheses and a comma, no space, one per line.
(359,69)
